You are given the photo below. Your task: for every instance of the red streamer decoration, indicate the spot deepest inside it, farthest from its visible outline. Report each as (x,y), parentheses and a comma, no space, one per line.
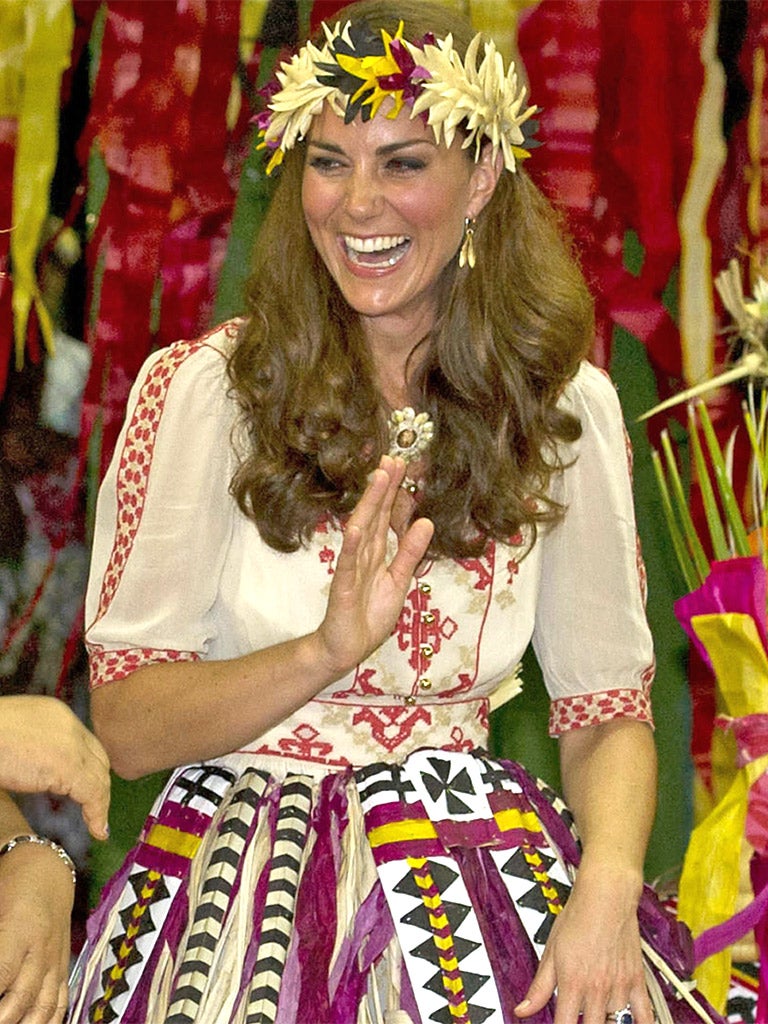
(618,132)
(8,127)
(160,125)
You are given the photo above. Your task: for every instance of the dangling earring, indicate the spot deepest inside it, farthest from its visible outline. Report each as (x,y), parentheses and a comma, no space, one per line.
(467,250)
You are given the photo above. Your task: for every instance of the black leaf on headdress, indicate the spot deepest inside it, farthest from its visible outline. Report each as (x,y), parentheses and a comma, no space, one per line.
(358,107)
(365,43)
(529,129)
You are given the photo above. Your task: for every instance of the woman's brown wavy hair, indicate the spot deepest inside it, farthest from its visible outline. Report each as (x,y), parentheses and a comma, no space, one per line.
(511,333)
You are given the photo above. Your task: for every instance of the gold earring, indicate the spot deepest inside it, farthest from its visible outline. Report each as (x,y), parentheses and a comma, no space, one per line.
(467,250)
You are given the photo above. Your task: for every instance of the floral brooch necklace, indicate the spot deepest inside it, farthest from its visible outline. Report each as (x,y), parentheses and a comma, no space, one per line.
(410,434)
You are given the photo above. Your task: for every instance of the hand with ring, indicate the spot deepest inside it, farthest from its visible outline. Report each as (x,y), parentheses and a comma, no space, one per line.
(592,961)
(622,1016)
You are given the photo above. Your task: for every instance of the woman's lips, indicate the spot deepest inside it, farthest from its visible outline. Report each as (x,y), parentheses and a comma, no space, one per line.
(377,250)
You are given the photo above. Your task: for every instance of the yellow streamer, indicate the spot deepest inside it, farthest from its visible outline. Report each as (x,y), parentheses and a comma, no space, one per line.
(754,144)
(11,57)
(36,49)
(709,883)
(252,14)
(697,311)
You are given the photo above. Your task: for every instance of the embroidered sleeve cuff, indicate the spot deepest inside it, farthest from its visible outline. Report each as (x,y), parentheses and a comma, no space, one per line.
(109,666)
(594,708)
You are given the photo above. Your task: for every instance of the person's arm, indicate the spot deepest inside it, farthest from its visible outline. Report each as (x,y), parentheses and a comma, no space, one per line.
(166,714)
(596,653)
(44,748)
(593,956)
(36,894)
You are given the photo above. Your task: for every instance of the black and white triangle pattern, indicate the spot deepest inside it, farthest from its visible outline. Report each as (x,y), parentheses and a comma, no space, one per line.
(449,784)
(420,954)
(150,922)
(533,909)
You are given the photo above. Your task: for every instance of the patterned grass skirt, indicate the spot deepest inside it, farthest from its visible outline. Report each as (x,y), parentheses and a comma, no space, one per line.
(393,894)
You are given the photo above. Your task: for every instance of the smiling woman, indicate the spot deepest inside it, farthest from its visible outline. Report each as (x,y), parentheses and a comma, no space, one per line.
(386,205)
(317,653)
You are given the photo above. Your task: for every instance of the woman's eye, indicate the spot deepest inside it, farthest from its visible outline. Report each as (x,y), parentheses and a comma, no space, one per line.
(405,165)
(324,164)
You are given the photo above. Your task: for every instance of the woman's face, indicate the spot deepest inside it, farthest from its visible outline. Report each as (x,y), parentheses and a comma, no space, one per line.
(385,206)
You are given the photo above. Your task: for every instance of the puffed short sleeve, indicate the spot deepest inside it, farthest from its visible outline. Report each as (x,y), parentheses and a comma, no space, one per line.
(164,518)
(591,635)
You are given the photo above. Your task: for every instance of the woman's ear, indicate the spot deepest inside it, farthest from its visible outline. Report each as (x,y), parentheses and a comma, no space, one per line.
(485,175)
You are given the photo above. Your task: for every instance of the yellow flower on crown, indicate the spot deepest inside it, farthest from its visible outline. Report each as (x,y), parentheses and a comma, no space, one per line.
(371,69)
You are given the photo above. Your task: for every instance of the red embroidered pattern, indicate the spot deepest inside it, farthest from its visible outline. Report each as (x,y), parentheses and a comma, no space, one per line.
(109,666)
(304,744)
(336,735)
(415,633)
(593,708)
(391,726)
(361,685)
(484,568)
(136,460)
(459,741)
(328,556)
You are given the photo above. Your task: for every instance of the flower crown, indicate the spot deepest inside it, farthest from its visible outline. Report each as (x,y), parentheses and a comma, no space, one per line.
(356,70)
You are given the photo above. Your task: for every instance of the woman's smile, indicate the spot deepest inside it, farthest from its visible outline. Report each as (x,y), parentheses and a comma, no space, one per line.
(379,252)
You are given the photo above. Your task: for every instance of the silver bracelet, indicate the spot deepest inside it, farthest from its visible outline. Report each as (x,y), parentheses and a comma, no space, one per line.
(60,852)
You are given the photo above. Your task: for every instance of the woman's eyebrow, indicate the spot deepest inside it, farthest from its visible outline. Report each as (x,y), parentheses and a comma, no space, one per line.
(330,147)
(390,147)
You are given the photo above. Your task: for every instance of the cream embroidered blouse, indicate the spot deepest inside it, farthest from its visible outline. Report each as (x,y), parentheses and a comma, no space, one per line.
(178,573)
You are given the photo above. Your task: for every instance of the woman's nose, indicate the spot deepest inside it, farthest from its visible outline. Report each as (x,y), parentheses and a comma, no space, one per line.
(363,196)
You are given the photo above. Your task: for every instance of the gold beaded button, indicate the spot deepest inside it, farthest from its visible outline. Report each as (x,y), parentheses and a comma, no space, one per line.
(425,684)
(425,588)
(427,617)
(410,699)
(427,650)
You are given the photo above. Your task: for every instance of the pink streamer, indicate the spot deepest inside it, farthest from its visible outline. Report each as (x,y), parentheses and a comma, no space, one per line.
(735,585)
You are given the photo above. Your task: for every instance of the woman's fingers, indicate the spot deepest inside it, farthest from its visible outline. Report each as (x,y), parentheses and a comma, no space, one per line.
(381,492)
(365,536)
(35,907)
(36,995)
(91,787)
(367,519)
(411,551)
(94,801)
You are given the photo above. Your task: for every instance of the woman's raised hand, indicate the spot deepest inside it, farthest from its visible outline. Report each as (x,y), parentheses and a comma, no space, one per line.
(44,748)
(368,592)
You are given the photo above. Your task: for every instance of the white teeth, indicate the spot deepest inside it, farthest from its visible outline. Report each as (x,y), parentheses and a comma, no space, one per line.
(378,244)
